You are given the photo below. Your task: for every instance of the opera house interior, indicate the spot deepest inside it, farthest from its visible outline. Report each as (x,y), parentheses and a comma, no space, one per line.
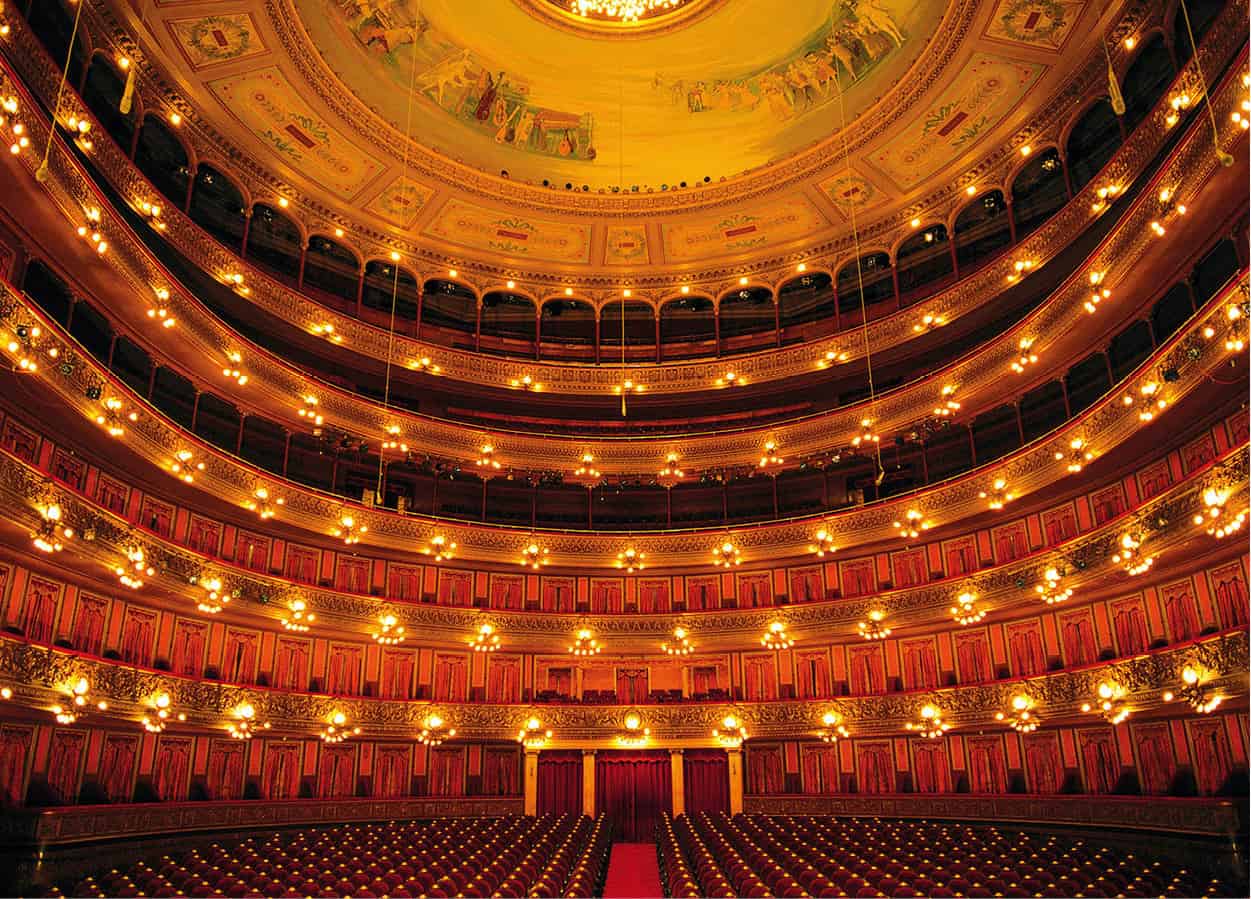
(567,448)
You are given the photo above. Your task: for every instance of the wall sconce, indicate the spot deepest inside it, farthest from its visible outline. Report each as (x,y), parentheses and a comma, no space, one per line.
(1129,557)
(584,644)
(770,457)
(731,379)
(425,364)
(998,496)
(931,725)
(157,717)
(75,703)
(1020,719)
(1051,589)
(1220,526)
(111,417)
(183,466)
(731,733)
(832,357)
(136,568)
(726,555)
(349,530)
(1078,455)
(299,618)
(1149,401)
(533,556)
(485,640)
(390,632)
(873,628)
(244,726)
(1025,357)
(261,503)
(47,538)
(337,730)
(308,411)
(633,734)
(1110,704)
(947,405)
(681,644)
(776,637)
(486,458)
(823,542)
(867,436)
(215,597)
(586,474)
(627,386)
(232,372)
(912,525)
(532,734)
(832,728)
(671,474)
(441,548)
(966,610)
(392,441)
(434,731)
(525,382)
(631,559)
(1193,692)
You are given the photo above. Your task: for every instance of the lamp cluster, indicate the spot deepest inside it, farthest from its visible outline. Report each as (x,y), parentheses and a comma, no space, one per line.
(931,725)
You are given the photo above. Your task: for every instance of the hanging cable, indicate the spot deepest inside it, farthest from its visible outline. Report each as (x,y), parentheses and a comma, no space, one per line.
(1221,156)
(621,181)
(864,315)
(395,279)
(41,173)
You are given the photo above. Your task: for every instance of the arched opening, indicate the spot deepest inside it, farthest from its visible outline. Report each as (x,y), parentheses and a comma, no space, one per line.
(102,92)
(743,313)
(1146,79)
(163,160)
(924,265)
(1202,14)
(869,284)
(446,304)
(1038,192)
(639,326)
(217,207)
(806,299)
(568,322)
(381,279)
(687,328)
(982,230)
(49,291)
(52,22)
(331,270)
(508,316)
(1092,142)
(274,243)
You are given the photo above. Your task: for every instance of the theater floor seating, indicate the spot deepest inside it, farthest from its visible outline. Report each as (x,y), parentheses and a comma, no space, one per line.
(757,855)
(544,856)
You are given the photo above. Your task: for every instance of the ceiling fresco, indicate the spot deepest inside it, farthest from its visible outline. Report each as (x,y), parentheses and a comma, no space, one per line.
(506,91)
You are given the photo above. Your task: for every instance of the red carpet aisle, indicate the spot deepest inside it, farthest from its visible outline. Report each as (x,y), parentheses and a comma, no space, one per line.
(632,872)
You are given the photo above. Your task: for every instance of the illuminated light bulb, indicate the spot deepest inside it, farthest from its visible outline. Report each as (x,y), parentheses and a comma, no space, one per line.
(1131,42)
(776,637)
(832,728)
(1149,401)
(1051,589)
(533,556)
(948,405)
(441,548)
(1129,557)
(873,629)
(584,644)
(390,632)
(568,291)
(730,379)
(680,645)
(823,543)
(309,412)
(931,725)
(532,735)
(998,496)
(299,618)
(671,474)
(685,289)
(337,730)
(726,555)
(261,505)
(525,382)
(912,524)
(1021,718)
(628,385)
(586,474)
(1026,150)
(1025,357)
(970,190)
(867,436)
(631,559)
(175,119)
(966,611)
(731,733)
(832,357)
(1109,704)
(349,530)
(1078,455)
(485,640)
(486,457)
(770,456)
(928,321)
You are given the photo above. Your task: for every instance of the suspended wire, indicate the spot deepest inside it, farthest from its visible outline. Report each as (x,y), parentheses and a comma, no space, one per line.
(395,279)
(864,315)
(41,173)
(621,181)
(1224,158)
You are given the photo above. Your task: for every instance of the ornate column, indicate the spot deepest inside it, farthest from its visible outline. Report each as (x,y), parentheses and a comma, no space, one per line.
(676,769)
(588,782)
(735,757)
(531,775)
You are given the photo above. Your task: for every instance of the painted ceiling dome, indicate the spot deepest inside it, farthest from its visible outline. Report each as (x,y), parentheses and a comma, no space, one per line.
(561,137)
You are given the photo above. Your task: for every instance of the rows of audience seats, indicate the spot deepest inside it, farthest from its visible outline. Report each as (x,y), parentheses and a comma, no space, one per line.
(545,856)
(756,855)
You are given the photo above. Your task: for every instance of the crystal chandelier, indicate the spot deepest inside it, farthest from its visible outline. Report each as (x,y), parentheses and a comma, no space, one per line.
(533,556)
(486,639)
(434,731)
(966,611)
(441,548)
(215,595)
(1129,557)
(622,12)
(155,720)
(776,637)
(300,618)
(731,733)
(183,466)
(1194,693)
(873,629)
(1110,705)
(1052,590)
(823,542)
(631,559)
(76,703)
(671,474)
(137,568)
(389,632)
(770,457)
(533,735)
(349,530)
(998,495)
(1214,515)
(261,504)
(584,644)
(243,727)
(1079,454)
(727,555)
(912,525)
(47,537)
(337,730)
(586,474)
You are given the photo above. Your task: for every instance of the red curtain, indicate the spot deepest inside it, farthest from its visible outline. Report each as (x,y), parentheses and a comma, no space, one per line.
(447,772)
(633,789)
(282,770)
(450,679)
(868,671)
(1231,596)
(973,658)
(1099,761)
(1025,651)
(40,621)
(1077,633)
(343,671)
(14,748)
(397,674)
(291,665)
(503,682)
(1155,758)
(703,680)
(988,770)
(920,665)
(336,772)
(814,675)
(705,781)
(64,762)
(559,789)
(933,770)
(239,658)
(1130,627)
(1043,771)
(1212,758)
(876,767)
(391,771)
(88,633)
(501,772)
(1179,608)
(764,770)
(820,769)
(171,768)
(301,564)
(631,685)
(225,770)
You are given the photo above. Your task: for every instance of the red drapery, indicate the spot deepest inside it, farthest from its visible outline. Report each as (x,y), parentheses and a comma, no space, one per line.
(171,768)
(920,665)
(501,772)
(559,789)
(820,769)
(282,770)
(1077,634)
(88,635)
(876,767)
(336,772)
(764,770)
(1179,609)
(503,681)
(1155,758)
(64,761)
(14,748)
(1043,771)
(1212,758)
(1130,626)
(868,671)
(702,680)
(631,685)
(344,670)
(1099,762)
(239,657)
(117,766)
(391,771)
(447,772)
(633,789)
(988,770)
(973,658)
(397,674)
(1231,595)
(705,781)
(1025,651)
(225,770)
(450,679)
(933,769)
(813,671)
